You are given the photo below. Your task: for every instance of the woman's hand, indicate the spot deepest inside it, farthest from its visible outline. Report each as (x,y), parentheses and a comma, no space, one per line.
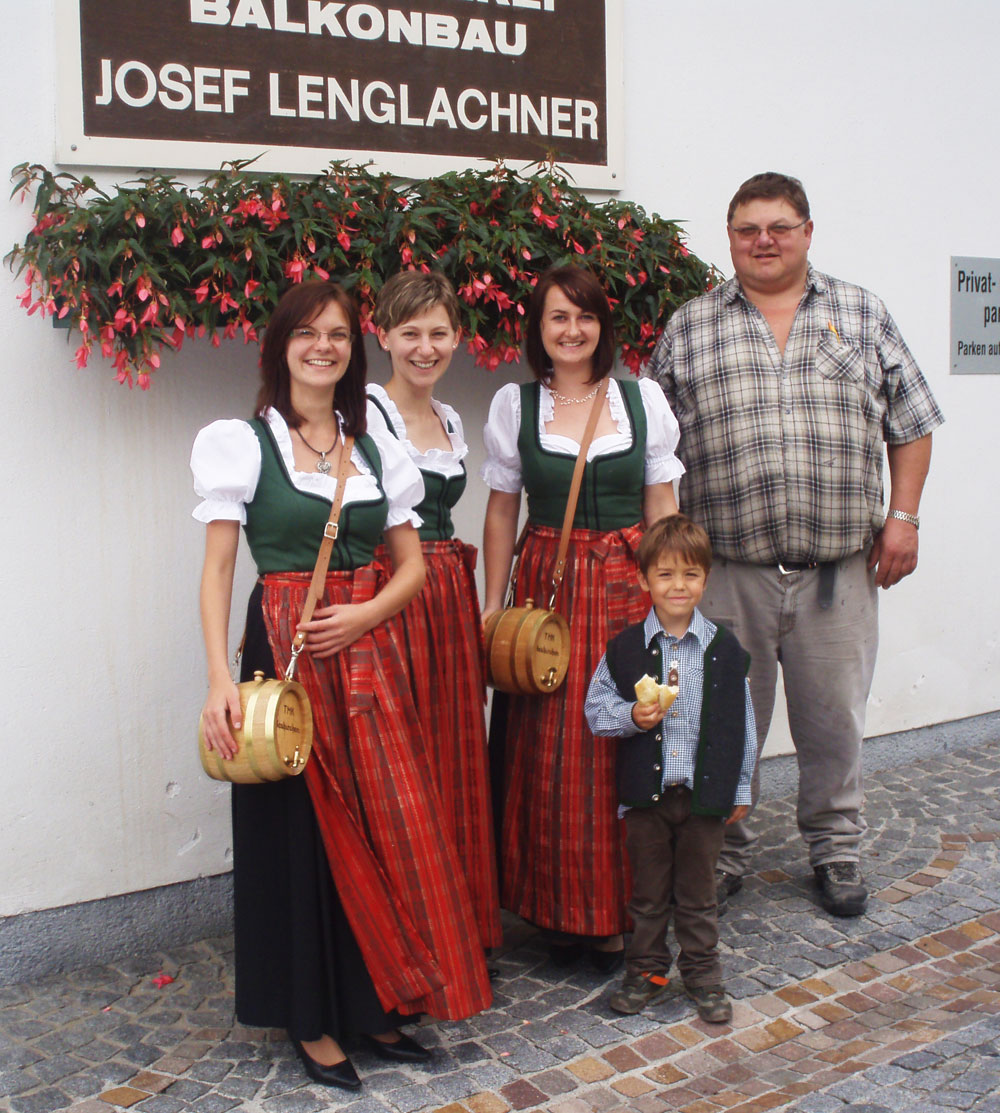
(222,707)
(336,627)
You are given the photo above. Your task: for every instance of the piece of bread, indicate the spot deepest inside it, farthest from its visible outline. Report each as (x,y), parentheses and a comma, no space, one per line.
(648,690)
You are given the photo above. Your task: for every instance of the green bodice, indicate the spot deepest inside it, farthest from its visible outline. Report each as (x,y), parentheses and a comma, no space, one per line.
(441,493)
(284,525)
(611,492)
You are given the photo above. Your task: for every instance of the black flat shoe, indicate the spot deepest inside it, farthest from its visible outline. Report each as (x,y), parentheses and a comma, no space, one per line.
(565,955)
(403,1050)
(341,1074)
(606,962)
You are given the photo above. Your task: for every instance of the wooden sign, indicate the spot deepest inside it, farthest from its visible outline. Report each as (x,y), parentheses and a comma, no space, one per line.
(415,86)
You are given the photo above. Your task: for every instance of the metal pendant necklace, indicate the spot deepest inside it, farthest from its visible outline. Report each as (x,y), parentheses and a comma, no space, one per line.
(566,400)
(322,464)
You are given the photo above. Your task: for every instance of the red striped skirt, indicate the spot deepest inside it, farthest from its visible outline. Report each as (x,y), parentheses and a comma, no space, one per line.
(395,869)
(446,659)
(563,858)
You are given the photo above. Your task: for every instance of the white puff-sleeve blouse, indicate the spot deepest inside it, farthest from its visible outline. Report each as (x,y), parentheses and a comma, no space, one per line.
(502,469)
(226,462)
(439,460)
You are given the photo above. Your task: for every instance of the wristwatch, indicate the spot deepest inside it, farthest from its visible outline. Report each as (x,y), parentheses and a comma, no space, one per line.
(904,517)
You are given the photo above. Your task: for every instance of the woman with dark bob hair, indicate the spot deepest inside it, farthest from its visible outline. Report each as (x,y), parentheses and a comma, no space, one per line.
(563,865)
(350,912)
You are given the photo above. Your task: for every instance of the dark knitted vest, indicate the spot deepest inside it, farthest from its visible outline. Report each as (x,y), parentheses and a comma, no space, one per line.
(719,757)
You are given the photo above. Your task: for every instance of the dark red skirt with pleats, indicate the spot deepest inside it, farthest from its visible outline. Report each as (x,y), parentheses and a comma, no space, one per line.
(562,853)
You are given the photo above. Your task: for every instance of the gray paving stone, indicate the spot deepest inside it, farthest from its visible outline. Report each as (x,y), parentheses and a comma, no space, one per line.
(454,1087)
(40,1101)
(301,1101)
(409,1099)
(17,1081)
(161,1103)
(215,1103)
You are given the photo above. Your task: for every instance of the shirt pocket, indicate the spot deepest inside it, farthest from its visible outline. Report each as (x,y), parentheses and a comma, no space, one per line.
(841,363)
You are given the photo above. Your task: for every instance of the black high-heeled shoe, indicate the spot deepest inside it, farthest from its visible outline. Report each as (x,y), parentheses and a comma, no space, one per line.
(403,1050)
(340,1074)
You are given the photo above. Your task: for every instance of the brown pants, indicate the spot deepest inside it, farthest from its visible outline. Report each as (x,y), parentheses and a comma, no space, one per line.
(673,855)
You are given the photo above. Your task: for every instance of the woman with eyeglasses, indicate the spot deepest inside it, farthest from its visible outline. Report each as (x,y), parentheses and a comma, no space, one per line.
(350,915)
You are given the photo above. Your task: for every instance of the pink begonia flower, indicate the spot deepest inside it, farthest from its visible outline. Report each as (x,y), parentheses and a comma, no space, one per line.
(177,236)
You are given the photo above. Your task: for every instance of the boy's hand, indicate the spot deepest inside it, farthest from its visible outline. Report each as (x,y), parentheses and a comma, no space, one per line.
(741,811)
(646,715)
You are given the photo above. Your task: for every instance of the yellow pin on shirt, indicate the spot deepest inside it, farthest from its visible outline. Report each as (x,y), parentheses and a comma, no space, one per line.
(830,326)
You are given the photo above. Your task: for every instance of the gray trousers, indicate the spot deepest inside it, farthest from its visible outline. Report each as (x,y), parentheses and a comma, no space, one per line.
(827,659)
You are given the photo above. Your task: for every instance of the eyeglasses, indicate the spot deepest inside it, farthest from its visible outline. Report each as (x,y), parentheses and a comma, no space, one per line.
(311,335)
(750,232)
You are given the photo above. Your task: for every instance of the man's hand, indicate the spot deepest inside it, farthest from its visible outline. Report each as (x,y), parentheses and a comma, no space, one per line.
(894,552)
(741,811)
(646,715)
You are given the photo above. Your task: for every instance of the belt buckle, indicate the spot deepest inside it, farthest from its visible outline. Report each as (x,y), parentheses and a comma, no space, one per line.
(806,567)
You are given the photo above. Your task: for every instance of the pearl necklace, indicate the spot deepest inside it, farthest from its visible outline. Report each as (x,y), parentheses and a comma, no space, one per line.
(566,400)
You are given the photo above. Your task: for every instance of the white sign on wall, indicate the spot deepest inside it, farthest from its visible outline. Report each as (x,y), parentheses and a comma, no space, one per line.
(415,87)
(975,316)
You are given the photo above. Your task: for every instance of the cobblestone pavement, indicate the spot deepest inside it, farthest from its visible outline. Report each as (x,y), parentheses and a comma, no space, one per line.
(896,1010)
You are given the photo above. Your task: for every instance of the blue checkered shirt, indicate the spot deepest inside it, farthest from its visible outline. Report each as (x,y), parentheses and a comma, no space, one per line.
(784,452)
(610,716)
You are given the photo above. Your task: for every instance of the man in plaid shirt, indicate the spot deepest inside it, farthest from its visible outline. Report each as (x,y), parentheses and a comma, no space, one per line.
(787,383)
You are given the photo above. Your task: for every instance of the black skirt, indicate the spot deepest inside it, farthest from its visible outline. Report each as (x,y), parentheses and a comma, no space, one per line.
(298,965)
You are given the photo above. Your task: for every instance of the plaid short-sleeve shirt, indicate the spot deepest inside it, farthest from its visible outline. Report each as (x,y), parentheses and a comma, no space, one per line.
(784,453)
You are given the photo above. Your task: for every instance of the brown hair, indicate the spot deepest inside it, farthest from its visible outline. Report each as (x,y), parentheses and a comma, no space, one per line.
(676,535)
(297,307)
(767,187)
(409,294)
(583,290)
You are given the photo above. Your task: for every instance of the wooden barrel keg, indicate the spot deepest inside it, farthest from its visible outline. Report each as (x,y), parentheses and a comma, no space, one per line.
(527,650)
(276,736)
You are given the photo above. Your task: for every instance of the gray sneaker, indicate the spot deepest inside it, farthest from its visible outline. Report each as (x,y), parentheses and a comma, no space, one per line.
(638,991)
(842,890)
(713,1006)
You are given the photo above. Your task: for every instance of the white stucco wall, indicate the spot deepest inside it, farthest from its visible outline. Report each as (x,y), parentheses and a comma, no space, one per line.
(884,109)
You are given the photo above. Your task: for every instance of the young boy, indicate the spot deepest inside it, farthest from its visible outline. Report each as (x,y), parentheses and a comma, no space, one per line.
(682,772)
